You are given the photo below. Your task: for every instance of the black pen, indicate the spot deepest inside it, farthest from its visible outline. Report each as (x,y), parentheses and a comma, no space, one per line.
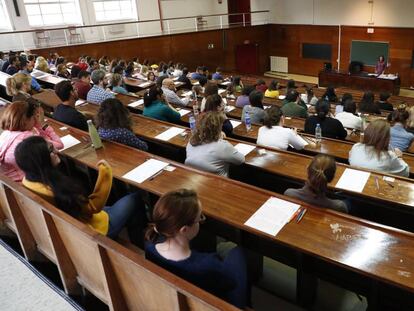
(389,184)
(301,214)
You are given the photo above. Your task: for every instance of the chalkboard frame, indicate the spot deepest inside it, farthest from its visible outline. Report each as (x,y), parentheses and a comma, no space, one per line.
(374,62)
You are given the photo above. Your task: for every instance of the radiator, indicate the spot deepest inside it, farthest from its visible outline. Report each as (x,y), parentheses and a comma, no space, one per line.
(279,64)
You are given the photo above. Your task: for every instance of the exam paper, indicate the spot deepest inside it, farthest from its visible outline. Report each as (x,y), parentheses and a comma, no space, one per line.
(183,112)
(244,148)
(353,180)
(221,91)
(272,216)
(170,133)
(235,123)
(225,83)
(185,94)
(230,108)
(145,170)
(80,102)
(136,103)
(282,97)
(68,141)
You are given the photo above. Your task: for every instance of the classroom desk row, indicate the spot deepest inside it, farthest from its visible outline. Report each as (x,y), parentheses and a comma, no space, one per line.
(325,244)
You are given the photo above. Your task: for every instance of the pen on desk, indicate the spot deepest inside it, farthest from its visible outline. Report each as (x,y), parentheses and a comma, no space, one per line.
(155,175)
(376,182)
(389,184)
(301,214)
(295,214)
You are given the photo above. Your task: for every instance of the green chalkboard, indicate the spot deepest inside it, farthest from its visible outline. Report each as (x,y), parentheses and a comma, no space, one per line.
(368,52)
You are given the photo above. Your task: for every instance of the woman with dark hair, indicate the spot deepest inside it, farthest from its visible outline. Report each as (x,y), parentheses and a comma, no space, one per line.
(209,89)
(331,128)
(255,108)
(39,161)
(309,97)
(176,221)
(367,104)
(374,153)
(321,171)
(237,84)
(215,103)
(340,106)
(156,107)
(291,84)
(274,135)
(151,77)
(330,95)
(400,137)
(129,70)
(206,149)
(348,116)
(243,99)
(114,124)
(19,121)
(273,90)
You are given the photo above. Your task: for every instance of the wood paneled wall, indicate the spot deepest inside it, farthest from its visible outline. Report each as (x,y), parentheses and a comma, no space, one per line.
(190,48)
(286,40)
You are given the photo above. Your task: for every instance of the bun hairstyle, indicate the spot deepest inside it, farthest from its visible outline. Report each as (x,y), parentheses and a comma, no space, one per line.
(151,95)
(322,108)
(272,116)
(172,211)
(15,83)
(321,171)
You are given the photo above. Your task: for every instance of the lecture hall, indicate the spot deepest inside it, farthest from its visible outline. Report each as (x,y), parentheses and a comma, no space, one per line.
(207,155)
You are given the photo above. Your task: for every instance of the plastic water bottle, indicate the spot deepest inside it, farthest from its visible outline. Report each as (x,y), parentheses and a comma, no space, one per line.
(93,133)
(318,133)
(192,121)
(195,108)
(247,121)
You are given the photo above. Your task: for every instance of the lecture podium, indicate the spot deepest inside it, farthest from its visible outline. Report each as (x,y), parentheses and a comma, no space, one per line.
(360,81)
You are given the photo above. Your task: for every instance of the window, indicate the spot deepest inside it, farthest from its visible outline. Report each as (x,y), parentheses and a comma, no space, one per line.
(53,12)
(4,17)
(111,10)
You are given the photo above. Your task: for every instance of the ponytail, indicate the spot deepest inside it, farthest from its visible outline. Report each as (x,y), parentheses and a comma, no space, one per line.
(152,233)
(11,89)
(151,95)
(321,171)
(15,83)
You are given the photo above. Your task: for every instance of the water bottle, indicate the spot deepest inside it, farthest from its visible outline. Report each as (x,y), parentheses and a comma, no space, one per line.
(93,133)
(195,108)
(318,133)
(247,121)
(192,121)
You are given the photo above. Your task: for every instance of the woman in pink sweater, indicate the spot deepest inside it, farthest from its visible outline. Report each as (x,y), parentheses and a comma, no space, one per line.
(19,121)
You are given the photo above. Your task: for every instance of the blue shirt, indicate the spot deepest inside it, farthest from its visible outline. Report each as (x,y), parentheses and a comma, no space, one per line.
(123,136)
(197,76)
(217,76)
(400,138)
(98,95)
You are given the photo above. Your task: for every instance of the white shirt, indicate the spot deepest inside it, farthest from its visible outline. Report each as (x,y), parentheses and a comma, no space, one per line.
(280,138)
(349,120)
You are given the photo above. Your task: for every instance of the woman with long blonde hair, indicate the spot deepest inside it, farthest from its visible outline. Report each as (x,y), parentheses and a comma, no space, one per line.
(18,86)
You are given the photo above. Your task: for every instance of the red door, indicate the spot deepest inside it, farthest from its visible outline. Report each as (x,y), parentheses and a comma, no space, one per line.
(247,56)
(239,6)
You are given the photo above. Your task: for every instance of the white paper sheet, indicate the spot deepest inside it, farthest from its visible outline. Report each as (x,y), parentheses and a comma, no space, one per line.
(229,108)
(224,100)
(69,141)
(225,83)
(145,84)
(353,180)
(196,83)
(235,123)
(145,170)
(272,216)
(244,148)
(221,91)
(185,94)
(170,133)
(282,97)
(183,112)
(80,102)
(266,107)
(136,103)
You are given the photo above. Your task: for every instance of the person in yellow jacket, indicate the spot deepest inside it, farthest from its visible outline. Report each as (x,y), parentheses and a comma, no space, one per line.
(39,161)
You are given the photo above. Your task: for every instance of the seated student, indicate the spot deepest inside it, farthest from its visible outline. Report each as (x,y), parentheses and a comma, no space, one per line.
(74,72)
(206,73)
(237,84)
(210,89)
(330,95)
(66,111)
(93,65)
(331,128)
(309,97)
(6,62)
(119,70)
(383,103)
(129,70)
(321,171)
(291,84)
(374,153)
(114,123)
(41,64)
(198,74)
(261,86)
(348,117)
(274,135)
(410,121)
(113,64)
(18,86)
(206,149)
(183,78)
(62,71)
(156,107)
(400,137)
(26,67)
(164,71)
(178,70)
(255,108)
(20,120)
(39,161)
(13,65)
(168,88)
(217,75)
(273,90)
(176,220)
(243,99)
(83,84)
(367,104)
(215,103)
(340,105)
(293,107)
(151,77)
(97,94)
(116,83)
